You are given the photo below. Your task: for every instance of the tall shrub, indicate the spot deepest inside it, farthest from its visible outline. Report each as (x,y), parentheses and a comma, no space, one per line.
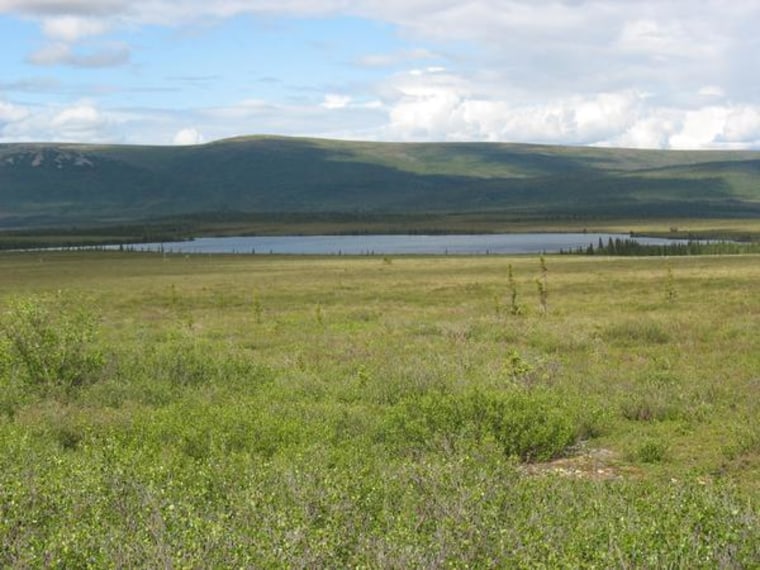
(52,341)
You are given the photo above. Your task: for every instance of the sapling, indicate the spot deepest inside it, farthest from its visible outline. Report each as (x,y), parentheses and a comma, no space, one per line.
(514,306)
(543,291)
(173,296)
(258,309)
(319,313)
(670,287)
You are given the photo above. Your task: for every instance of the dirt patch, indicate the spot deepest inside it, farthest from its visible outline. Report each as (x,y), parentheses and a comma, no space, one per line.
(583,462)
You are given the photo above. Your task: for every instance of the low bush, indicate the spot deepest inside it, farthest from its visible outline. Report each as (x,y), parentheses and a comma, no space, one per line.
(636,332)
(651,451)
(532,425)
(52,342)
(649,406)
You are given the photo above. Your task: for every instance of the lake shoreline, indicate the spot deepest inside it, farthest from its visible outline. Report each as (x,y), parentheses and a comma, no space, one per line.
(391,244)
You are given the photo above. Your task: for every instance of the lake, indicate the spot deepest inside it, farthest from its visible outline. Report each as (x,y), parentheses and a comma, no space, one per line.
(451,244)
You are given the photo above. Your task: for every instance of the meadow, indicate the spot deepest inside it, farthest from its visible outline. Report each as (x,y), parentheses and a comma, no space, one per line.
(170,411)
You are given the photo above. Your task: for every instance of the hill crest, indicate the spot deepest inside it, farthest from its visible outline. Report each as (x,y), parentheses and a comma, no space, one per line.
(59,184)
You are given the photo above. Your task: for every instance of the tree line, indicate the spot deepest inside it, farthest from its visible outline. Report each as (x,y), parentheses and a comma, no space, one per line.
(631,247)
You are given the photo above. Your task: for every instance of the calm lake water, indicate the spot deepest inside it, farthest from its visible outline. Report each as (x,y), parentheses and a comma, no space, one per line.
(392,244)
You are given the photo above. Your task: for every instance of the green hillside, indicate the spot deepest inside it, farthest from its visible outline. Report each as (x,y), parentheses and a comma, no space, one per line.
(56,184)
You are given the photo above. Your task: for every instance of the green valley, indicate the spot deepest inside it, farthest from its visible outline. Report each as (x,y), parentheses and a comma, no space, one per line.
(363,184)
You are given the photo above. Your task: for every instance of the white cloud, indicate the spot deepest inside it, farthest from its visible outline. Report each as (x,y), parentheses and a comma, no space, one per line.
(81,121)
(72,28)
(441,106)
(80,114)
(700,128)
(60,53)
(742,125)
(333,101)
(164,12)
(434,107)
(649,73)
(395,58)
(648,131)
(711,91)
(63,54)
(444,111)
(603,116)
(710,127)
(10,113)
(657,39)
(188,136)
(66,23)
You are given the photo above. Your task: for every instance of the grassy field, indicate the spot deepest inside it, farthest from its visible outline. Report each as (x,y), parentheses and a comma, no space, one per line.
(407,412)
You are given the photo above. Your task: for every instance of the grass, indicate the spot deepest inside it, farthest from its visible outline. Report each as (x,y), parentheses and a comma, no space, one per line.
(257,411)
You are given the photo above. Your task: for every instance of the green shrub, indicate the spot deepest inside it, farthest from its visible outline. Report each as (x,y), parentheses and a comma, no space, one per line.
(159,373)
(649,406)
(651,451)
(529,425)
(744,437)
(11,391)
(52,342)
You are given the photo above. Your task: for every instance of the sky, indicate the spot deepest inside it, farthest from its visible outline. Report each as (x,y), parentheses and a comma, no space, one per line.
(667,74)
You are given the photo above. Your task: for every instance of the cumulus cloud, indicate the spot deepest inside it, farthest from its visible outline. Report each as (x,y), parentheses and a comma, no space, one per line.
(188,136)
(10,113)
(444,114)
(699,128)
(80,121)
(604,72)
(73,28)
(446,107)
(66,23)
(650,130)
(83,114)
(742,125)
(445,111)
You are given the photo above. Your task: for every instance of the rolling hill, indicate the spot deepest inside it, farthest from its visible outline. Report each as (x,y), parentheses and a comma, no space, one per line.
(65,184)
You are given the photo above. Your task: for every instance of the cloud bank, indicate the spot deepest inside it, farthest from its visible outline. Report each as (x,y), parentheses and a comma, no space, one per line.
(648,74)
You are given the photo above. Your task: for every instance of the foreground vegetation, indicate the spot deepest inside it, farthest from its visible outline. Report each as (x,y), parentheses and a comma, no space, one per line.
(247,411)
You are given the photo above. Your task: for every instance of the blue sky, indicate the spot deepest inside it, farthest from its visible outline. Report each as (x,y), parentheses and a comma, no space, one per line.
(645,73)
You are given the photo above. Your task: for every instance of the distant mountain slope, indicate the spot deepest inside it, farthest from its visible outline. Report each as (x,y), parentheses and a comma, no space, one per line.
(57,184)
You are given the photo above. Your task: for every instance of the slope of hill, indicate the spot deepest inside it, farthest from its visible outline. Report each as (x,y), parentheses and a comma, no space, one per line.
(59,184)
